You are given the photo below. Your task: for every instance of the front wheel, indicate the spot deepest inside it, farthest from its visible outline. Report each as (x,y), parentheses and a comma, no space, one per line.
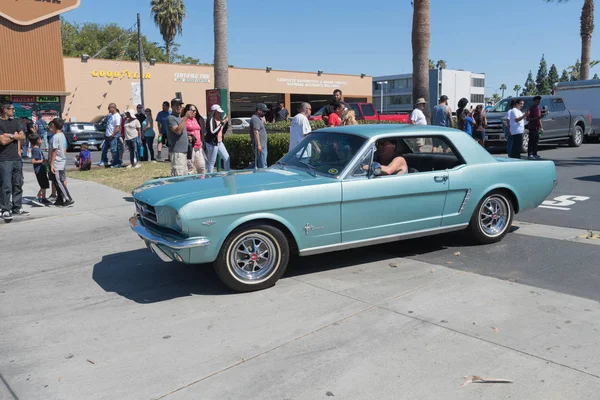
(253,257)
(492,218)
(577,138)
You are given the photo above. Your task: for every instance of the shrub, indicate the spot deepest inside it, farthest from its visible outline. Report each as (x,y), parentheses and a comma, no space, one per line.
(240,149)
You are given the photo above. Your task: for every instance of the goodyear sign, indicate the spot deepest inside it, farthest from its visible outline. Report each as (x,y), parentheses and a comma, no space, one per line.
(118,74)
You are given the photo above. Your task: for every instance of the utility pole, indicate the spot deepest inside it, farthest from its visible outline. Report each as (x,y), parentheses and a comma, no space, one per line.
(140,57)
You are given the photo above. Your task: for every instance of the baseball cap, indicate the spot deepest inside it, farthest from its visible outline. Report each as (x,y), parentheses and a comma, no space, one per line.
(176,100)
(262,106)
(216,107)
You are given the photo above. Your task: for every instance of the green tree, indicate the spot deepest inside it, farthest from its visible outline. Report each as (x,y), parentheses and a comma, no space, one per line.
(431,64)
(541,80)
(575,71)
(564,77)
(530,89)
(516,89)
(596,76)
(496,98)
(168,17)
(420,40)
(586,29)
(221,69)
(112,41)
(503,88)
(553,77)
(441,64)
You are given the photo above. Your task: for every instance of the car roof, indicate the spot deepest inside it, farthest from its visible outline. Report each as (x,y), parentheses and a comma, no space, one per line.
(375,130)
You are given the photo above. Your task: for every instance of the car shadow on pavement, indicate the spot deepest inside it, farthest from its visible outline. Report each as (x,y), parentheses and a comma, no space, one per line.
(403,248)
(140,276)
(590,178)
(578,162)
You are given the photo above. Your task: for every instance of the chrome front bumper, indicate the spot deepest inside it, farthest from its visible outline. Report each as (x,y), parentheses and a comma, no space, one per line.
(154,239)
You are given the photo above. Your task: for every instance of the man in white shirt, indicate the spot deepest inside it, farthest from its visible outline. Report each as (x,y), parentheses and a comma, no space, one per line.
(417,117)
(517,127)
(111,138)
(300,126)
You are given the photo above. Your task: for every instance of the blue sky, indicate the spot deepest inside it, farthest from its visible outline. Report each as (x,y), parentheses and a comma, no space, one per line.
(502,39)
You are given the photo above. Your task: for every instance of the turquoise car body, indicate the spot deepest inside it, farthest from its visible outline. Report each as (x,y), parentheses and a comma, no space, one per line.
(188,218)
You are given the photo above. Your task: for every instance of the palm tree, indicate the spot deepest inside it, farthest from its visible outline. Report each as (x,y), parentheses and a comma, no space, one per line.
(516,89)
(496,98)
(441,64)
(586,29)
(431,64)
(503,88)
(168,17)
(221,67)
(421,37)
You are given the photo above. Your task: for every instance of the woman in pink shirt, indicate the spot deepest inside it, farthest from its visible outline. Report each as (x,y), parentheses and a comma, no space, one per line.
(195,128)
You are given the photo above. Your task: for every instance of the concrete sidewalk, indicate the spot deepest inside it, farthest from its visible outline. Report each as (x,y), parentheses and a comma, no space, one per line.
(88,313)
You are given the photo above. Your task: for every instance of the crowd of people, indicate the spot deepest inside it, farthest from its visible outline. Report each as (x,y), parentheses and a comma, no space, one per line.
(49,171)
(474,122)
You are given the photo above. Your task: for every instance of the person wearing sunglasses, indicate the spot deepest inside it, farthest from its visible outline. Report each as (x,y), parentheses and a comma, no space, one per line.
(195,127)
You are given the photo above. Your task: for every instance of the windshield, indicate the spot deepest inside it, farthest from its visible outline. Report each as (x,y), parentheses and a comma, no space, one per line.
(504,105)
(324,153)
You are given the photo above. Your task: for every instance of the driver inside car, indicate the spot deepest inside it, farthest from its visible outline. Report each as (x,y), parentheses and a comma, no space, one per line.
(386,156)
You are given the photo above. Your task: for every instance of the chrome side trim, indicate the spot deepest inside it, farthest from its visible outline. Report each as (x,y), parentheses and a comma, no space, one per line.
(464,203)
(169,241)
(383,239)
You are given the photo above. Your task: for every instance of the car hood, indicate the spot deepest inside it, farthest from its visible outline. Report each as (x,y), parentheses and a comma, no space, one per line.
(178,191)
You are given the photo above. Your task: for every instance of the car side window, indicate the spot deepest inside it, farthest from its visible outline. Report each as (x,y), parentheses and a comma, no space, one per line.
(558,105)
(368,110)
(236,122)
(428,145)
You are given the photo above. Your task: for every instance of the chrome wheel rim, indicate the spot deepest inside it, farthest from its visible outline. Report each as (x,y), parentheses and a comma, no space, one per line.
(253,257)
(578,136)
(525,144)
(493,216)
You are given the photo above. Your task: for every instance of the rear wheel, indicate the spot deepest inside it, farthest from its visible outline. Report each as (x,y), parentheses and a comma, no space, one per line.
(577,138)
(525,143)
(253,257)
(492,218)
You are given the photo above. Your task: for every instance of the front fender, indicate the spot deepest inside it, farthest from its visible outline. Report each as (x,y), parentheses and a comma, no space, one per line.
(255,217)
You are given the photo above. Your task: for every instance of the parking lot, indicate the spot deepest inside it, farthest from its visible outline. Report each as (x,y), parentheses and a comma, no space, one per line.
(87,312)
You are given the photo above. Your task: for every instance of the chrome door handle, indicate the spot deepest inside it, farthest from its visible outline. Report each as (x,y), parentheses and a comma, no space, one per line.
(439,178)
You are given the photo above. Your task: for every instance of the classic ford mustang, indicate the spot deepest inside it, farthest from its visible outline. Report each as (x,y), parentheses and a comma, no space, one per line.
(337,189)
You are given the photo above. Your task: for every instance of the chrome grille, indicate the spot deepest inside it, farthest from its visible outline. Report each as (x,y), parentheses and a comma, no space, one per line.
(146,211)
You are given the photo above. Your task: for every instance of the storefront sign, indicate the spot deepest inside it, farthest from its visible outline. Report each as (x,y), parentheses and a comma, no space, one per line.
(49,106)
(118,74)
(48,99)
(191,78)
(28,12)
(314,83)
(22,99)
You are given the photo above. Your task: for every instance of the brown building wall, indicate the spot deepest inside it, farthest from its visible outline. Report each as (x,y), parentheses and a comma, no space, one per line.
(91,93)
(32,61)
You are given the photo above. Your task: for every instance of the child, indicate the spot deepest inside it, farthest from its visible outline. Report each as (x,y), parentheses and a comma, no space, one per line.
(39,166)
(469,122)
(59,162)
(84,159)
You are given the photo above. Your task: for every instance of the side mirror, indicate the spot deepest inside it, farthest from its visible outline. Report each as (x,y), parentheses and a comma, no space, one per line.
(375,169)
(544,110)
